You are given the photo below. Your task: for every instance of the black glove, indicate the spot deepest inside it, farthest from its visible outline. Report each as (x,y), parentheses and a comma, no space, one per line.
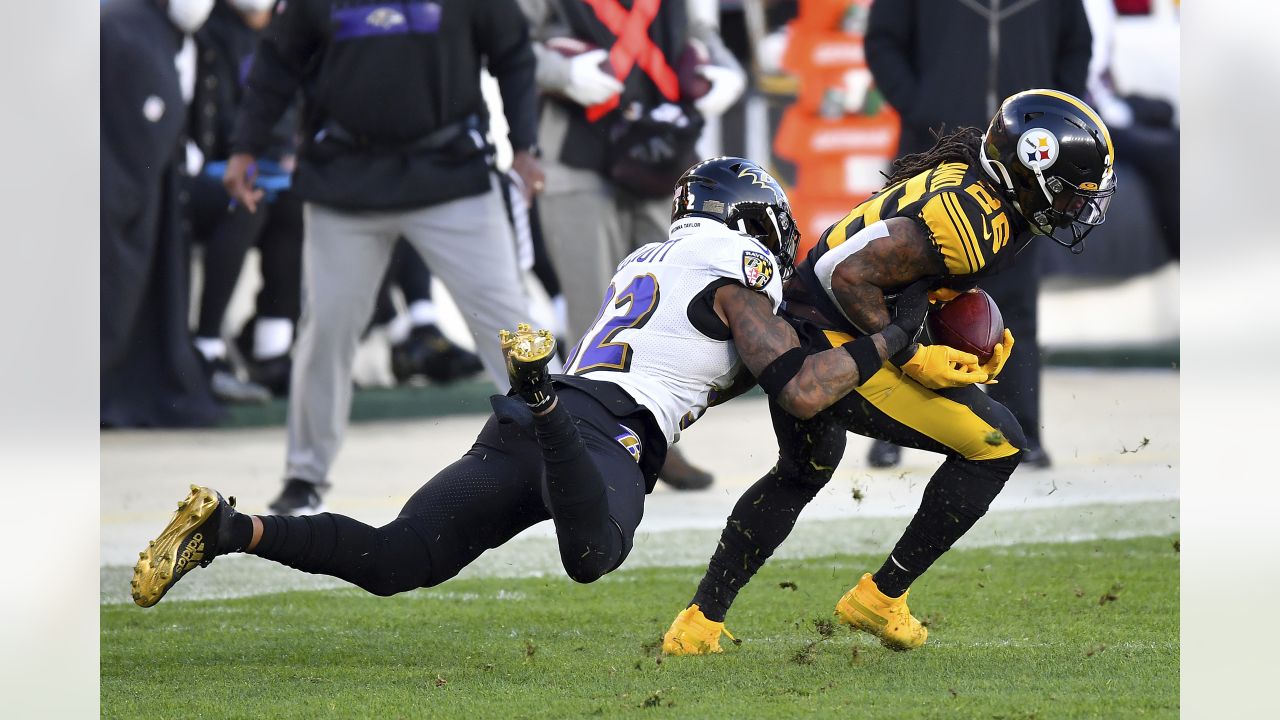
(906,321)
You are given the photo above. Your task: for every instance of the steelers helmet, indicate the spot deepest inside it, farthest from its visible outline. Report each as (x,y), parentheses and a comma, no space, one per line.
(1052,154)
(740,194)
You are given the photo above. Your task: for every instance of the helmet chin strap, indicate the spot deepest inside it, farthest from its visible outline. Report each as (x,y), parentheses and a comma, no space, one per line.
(990,166)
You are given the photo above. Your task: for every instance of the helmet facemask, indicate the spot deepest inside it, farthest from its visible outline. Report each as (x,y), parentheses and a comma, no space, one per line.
(1070,206)
(774,228)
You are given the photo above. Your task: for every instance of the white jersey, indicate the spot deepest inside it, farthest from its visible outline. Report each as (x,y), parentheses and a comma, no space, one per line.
(657,336)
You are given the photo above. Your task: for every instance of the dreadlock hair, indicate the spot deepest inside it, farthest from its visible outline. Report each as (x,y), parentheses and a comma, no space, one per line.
(959,146)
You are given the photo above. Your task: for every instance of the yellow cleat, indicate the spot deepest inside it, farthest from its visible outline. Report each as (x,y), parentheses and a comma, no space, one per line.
(527,345)
(194,536)
(867,609)
(528,352)
(691,633)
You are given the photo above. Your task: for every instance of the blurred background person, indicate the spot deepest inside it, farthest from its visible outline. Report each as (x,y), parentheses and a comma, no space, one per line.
(418,347)
(626,88)
(392,145)
(946,65)
(1142,128)
(225,46)
(150,373)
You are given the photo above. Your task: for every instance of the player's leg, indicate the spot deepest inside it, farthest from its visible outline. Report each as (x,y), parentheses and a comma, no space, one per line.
(581,445)
(982,442)
(344,258)
(808,452)
(468,245)
(477,503)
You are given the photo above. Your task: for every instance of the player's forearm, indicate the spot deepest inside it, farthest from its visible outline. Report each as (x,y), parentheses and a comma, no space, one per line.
(863,303)
(828,376)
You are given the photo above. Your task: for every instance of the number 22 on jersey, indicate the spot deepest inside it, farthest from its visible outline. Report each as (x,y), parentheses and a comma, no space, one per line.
(625,310)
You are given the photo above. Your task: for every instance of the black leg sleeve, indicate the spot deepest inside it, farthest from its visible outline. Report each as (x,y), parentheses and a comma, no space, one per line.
(956,497)
(384,561)
(763,518)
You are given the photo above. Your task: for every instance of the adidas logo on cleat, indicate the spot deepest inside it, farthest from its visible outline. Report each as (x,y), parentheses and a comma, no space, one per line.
(192,553)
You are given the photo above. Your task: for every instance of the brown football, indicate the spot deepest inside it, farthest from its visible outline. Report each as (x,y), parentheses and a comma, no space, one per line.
(692,84)
(971,323)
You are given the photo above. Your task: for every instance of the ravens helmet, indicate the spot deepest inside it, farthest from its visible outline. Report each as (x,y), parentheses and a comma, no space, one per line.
(740,194)
(1053,155)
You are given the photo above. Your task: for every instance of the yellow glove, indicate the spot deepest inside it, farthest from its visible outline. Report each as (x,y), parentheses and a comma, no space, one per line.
(998,356)
(940,366)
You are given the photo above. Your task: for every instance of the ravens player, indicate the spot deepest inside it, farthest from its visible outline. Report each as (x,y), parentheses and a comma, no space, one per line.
(678,321)
(949,216)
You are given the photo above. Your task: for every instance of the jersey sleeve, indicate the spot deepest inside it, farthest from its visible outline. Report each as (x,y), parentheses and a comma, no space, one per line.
(756,268)
(958,231)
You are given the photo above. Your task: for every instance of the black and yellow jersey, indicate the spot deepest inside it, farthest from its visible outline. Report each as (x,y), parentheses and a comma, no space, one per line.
(973,229)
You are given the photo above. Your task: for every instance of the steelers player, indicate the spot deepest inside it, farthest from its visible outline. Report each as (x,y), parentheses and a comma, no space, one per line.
(679,320)
(951,216)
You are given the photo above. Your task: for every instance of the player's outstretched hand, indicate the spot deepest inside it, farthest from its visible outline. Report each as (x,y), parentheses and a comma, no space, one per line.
(999,355)
(940,366)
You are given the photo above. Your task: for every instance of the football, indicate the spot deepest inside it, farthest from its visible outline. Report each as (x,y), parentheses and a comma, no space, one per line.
(971,323)
(692,84)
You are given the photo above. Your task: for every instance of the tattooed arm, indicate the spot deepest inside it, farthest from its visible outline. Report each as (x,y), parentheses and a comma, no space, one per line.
(762,337)
(859,280)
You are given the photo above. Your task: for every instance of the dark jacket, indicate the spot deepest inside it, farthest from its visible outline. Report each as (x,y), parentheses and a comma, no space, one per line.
(149,372)
(389,88)
(949,63)
(226,47)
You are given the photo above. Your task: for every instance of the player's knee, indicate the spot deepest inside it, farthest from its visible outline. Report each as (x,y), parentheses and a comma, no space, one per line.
(1002,435)
(387,581)
(808,476)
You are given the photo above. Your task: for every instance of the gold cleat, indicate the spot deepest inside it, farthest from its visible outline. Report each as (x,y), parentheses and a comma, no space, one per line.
(691,633)
(867,609)
(528,352)
(192,538)
(527,345)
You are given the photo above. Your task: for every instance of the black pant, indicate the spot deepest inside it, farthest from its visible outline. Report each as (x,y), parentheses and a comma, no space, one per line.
(1016,292)
(980,439)
(480,502)
(227,235)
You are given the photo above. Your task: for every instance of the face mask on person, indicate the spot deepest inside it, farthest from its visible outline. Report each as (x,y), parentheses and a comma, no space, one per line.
(253,6)
(189,15)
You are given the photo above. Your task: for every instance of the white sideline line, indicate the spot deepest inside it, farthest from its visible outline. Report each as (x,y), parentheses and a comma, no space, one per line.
(535,556)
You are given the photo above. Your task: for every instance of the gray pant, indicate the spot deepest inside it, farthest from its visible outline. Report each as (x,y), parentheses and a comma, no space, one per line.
(467,243)
(589,226)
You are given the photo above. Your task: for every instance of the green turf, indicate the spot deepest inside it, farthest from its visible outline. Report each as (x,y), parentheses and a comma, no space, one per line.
(1029,631)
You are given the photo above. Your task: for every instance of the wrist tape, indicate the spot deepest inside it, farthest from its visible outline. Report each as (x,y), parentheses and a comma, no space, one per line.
(778,373)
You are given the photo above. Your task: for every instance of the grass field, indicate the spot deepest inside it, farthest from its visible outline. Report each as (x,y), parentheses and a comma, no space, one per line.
(1024,631)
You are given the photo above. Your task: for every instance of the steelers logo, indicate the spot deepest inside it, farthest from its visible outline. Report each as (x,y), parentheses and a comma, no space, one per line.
(1038,148)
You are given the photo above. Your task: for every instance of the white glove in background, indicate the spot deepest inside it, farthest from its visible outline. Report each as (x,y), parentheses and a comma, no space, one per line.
(726,87)
(588,84)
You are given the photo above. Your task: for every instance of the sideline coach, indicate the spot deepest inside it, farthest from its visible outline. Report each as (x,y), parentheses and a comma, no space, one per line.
(393,143)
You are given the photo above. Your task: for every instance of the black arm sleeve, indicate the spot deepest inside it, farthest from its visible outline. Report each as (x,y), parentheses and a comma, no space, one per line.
(502,34)
(1075,47)
(888,47)
(279,64)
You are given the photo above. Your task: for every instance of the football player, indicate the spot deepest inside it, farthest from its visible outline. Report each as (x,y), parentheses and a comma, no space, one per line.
(679,320)
(949,216)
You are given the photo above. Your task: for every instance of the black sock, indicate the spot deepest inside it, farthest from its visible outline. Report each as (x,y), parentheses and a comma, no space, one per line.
(957,496)
(241,533)
(761,520)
